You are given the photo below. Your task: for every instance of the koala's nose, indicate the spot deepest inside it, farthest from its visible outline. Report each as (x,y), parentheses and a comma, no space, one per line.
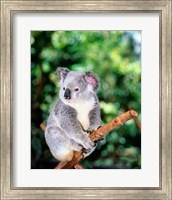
(67,94)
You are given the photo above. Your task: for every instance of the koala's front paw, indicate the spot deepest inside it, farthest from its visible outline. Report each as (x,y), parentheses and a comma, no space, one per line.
(99,140)
(89,132)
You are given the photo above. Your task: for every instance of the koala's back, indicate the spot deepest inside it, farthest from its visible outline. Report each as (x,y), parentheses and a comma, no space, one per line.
(55,136)
(60,111)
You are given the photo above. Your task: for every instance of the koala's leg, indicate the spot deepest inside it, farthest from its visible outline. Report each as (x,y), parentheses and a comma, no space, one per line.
(88,152)
(60,145)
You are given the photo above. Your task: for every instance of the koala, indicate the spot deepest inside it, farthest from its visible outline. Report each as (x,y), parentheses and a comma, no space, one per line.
(75,115)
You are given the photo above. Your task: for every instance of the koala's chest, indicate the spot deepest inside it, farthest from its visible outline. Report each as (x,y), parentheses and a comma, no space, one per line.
(83,110)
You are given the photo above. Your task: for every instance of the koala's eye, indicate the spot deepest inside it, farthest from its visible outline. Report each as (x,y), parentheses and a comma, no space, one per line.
(64,88)
(76,89)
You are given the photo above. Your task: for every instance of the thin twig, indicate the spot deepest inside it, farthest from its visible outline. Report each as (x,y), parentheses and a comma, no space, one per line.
(136,119)
(78,166)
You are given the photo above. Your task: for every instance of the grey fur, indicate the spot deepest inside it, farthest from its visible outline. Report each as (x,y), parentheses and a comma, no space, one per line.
(72,118)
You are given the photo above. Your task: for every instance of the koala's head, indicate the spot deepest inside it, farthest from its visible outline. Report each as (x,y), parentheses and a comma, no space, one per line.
(76,86)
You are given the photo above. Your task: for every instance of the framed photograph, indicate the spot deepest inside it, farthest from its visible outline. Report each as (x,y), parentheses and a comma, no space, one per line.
(63,58)
(78,53)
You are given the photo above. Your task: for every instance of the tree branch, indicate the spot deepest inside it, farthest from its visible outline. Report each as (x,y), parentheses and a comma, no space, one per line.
(118,121)
(97,134)
(136,119)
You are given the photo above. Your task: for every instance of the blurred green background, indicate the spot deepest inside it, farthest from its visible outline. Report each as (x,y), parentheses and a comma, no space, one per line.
(115,56)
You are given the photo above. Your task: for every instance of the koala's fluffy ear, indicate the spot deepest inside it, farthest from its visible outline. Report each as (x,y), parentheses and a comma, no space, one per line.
(92,80)
(62,73)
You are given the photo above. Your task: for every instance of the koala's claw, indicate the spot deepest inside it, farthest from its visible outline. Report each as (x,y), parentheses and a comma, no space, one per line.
(100,139)
(95,143)
(89,132)
(86,151)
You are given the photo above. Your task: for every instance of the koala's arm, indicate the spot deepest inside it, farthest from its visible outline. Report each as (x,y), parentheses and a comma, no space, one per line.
(95,122)
(70,125)
(95,119)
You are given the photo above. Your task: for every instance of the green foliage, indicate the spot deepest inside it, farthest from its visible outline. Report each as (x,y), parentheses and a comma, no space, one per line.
(115,57)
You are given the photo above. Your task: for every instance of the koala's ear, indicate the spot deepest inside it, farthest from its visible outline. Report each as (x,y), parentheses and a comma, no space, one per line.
(62,73)
(92,80)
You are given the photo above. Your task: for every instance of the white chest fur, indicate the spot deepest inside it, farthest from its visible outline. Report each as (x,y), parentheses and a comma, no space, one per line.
(83,109)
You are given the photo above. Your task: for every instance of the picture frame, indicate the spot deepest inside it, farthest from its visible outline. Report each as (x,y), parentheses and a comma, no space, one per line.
(8,10)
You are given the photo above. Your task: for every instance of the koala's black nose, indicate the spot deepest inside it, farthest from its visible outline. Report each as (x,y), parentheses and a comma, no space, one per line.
(67,94)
